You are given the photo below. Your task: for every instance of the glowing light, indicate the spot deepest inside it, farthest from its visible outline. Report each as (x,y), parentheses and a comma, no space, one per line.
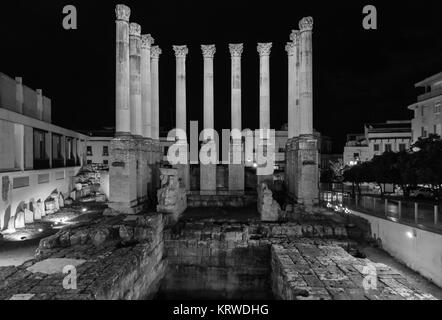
(255,165)
(40,230)
(410,235)
(84,210)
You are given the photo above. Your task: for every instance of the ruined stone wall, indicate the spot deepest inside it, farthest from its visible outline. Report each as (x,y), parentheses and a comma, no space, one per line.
(121,259)
(216,270)
(229,260)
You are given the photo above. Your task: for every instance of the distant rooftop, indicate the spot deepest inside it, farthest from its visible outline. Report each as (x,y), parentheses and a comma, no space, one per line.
(390,125)
(430,80)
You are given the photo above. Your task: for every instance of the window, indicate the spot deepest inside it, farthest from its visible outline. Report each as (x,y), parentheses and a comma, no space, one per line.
(423,132)
(422,111)
(388,148)
(39,145)
(105,151)
(89,151)
(41,160)
(402,147)
(70,148)
(106,162)
(376,147)
(57,155)
(89,162)
(166,150)
(355,155)
(437,108)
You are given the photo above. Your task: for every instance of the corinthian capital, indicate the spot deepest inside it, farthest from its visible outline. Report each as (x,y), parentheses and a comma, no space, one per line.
(122,12)
(294,36)
(208,50)
(264,49)
(236,49)
(180,51)
(306,24)
(155,52)
(135,30)
(291,48)
(146,41)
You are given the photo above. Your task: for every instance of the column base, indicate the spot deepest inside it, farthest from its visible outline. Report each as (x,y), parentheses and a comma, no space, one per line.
(123,181)
(208,179)
(124,208)
(307,171)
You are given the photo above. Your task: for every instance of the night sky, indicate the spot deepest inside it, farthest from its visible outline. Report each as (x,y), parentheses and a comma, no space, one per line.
(359,76)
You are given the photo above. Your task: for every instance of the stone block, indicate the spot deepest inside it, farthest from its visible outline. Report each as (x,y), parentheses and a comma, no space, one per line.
(269,209)
(29,216)
(20,220)
(100,237)
(37,212)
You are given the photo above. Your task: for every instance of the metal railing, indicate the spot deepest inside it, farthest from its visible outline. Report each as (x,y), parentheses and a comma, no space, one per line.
(422,215)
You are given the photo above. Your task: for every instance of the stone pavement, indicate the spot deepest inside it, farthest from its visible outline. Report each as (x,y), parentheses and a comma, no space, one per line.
(307,269)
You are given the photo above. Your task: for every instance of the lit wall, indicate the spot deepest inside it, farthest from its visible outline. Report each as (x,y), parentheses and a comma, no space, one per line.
(26,187)
(422,253)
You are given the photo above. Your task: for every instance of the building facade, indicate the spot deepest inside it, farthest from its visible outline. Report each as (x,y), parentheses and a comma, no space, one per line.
(427,110)
(36,156)
(394,136)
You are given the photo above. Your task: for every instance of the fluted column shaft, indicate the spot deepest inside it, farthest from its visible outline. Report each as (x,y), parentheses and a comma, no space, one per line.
(236,52)
(155,56)
(306,76)
(208,55)
(292,49)
(236,166)
(264,50)
(122,93)
(135,80)
(146,85)
(180,54)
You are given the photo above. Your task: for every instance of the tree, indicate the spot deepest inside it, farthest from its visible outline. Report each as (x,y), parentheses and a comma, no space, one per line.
(428,162)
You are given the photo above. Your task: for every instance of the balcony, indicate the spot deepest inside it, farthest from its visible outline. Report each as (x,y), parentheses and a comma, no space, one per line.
(429,95)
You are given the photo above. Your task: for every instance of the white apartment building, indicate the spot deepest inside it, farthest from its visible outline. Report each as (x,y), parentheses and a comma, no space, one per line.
(378,138)
(427,110)
(36,157)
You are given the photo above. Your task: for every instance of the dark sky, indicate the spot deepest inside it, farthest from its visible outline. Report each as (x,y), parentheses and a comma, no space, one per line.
(359,76)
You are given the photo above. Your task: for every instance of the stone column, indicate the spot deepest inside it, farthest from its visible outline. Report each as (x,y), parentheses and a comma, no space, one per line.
(135,80)
(264,50)
(236,170)
(19,94)
(155,53)
(122,96)
(306,76)
(146,87)
(124,150)
(208,171)
(306,147)
(292,49)
(180,54)
(136,119)
(155,56)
